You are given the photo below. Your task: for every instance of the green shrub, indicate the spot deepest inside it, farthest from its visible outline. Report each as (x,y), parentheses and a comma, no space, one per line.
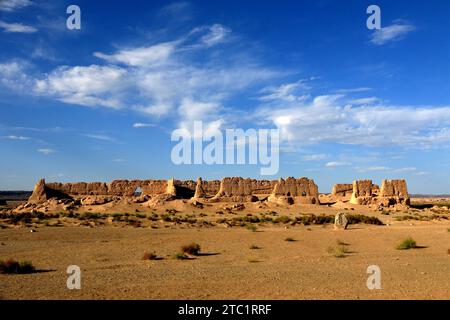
(180,256)
(251,227)
(282,219)
(408,243)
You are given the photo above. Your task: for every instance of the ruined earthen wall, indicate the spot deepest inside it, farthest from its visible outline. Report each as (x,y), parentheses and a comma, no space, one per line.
(362,188)
(262,187)
(342,189)
(211,187)
(394,188)
(79,188)
(150,187)
(296,187)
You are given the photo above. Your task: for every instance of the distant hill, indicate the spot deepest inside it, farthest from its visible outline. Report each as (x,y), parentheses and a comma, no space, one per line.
(15,195)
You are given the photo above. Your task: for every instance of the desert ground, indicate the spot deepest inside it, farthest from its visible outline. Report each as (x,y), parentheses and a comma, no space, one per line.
(254,251)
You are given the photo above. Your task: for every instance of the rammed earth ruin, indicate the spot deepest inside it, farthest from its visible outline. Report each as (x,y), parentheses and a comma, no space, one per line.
(230,189)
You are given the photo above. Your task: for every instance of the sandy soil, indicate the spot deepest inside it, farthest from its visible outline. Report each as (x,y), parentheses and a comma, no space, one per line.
(110,256)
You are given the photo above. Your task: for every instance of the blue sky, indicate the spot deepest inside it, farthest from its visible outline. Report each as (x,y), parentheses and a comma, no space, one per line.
(100,103)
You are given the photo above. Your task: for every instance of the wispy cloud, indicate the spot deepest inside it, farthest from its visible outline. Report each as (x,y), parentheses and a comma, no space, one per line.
(155,80)
(12,5)
(394,32)
(333,164)
(353,90)
(98,137)
(142,125)
(315,157)
(16,27)
(286,92)
(119,160)
(217,34)
(330,118)
(13,137)
(46,151)
(362,101)
(86,86)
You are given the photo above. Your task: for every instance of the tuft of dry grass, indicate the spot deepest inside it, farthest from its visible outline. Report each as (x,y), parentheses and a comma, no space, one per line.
(181,256)
(251,227)
(289,239)
(254,247)
(16,267)
(408,243)
(340,251)
(192,249)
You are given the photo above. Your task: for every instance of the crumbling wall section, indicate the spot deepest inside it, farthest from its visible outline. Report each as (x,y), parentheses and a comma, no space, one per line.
(292,190)
(362,192)
(393,192)
(342,189)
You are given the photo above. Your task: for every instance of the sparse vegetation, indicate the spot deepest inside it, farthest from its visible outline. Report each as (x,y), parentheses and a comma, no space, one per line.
(289,239)
(150,256)
(192,249)
(251,227)
(180,256)
(359,218)
(16,267)
(282,219)
(341,243)
(408,243)
(340,251)
(254,247)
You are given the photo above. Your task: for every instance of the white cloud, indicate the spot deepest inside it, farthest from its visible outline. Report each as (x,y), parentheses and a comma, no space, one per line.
(98,137)
(119,160)
(353,90)
(16,27)
(405,170)
(142,125)
(314,157)
(13,137)
(88,86)
(153,80)
(330,118)
(285,92)
(12,5)
(394,32)
(362,101)
(372,169)
(13,74)
(334,164)
(46,151)
(144,56)
(217,33)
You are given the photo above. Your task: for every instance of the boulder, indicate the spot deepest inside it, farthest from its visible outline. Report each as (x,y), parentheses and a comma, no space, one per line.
(340,221)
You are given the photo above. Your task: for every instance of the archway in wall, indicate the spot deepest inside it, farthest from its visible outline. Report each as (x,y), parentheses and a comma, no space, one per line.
(138,192)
